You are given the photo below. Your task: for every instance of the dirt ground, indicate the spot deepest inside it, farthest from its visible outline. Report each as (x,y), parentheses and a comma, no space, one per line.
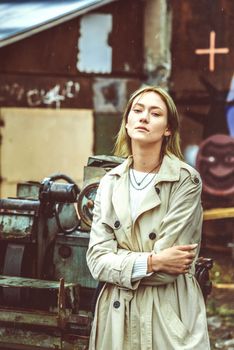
(220,303)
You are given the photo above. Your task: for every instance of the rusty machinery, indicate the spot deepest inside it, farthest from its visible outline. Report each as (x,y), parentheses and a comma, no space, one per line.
(46,289)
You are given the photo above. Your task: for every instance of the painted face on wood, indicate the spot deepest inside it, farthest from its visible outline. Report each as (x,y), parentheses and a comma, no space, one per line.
(215,162)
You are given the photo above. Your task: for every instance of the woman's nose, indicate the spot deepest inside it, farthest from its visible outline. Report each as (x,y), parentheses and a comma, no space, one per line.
(144,118)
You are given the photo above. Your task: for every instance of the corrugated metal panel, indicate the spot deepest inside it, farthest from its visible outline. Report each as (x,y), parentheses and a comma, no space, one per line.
(20,19)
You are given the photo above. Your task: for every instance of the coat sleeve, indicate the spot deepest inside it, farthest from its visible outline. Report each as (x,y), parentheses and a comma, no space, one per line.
(105,260)
(182,224)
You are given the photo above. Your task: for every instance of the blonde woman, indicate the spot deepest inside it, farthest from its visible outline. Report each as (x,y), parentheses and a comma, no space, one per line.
(146,236)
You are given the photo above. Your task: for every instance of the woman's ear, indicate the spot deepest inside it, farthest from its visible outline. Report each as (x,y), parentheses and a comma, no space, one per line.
(167,132)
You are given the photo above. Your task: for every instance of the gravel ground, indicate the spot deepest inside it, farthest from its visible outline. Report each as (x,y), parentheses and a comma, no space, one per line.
(220,304)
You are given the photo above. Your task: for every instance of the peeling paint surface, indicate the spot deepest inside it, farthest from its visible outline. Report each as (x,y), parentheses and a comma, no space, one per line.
(95,54)
(72,268)
(109,95)
(8,224)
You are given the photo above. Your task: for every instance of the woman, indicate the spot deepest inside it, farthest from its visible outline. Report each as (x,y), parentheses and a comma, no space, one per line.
(146,235)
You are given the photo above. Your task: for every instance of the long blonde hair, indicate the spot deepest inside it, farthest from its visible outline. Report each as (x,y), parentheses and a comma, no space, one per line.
(171,144)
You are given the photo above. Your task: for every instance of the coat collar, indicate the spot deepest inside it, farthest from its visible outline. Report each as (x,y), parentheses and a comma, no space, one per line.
(169,170)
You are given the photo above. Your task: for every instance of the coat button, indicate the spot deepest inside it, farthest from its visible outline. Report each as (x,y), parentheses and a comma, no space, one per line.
(196,180)
(116,304)
(117,224)
(157,190)
(152,235)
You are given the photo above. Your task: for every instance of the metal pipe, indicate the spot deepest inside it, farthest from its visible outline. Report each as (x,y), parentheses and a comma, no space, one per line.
(19,204)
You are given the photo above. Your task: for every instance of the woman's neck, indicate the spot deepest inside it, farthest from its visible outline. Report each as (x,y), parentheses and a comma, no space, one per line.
(146,160)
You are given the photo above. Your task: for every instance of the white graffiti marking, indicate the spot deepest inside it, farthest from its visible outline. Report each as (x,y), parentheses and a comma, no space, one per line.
(71,89)
(53,96)
(34,97)
(37,97)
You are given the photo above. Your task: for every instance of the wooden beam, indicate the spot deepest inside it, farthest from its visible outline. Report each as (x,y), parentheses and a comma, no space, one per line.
(224,285)
(218,213)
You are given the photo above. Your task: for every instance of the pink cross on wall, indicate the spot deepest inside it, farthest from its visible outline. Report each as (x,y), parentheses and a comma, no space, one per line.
(212,51)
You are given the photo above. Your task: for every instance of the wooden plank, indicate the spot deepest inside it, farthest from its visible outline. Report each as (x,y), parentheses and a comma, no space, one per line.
(21,282)
(224,285)
(36,318)
(218,213)
(12,338)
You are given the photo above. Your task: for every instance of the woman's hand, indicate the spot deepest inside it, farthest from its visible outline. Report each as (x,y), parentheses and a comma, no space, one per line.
(175,260)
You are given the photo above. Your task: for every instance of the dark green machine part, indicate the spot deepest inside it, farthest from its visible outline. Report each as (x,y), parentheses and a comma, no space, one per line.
(45,284)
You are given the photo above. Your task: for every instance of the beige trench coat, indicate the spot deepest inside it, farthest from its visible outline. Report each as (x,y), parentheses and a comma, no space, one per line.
(162,311)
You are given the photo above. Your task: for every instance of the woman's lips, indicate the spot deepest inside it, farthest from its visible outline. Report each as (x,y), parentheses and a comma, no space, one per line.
(142,128)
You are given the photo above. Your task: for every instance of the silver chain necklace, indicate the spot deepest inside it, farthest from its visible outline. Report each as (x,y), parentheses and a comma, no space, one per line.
(138,183)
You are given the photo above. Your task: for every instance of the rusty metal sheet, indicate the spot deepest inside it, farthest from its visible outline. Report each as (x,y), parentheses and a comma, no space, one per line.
(104,95)
(44,54)
(41,92)
(128,53)
(192,25)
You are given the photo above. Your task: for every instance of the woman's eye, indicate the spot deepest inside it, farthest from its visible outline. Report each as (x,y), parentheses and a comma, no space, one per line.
(154,114)
(136,110)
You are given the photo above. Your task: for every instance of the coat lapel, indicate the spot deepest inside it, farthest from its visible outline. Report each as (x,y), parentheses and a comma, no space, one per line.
(169,171)
(150,201)
(121,200)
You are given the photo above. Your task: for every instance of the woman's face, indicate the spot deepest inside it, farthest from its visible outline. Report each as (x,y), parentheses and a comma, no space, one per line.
(147,119)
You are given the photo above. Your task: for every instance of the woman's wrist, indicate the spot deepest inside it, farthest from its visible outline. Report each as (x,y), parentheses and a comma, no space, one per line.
(153,263)
(150,263)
